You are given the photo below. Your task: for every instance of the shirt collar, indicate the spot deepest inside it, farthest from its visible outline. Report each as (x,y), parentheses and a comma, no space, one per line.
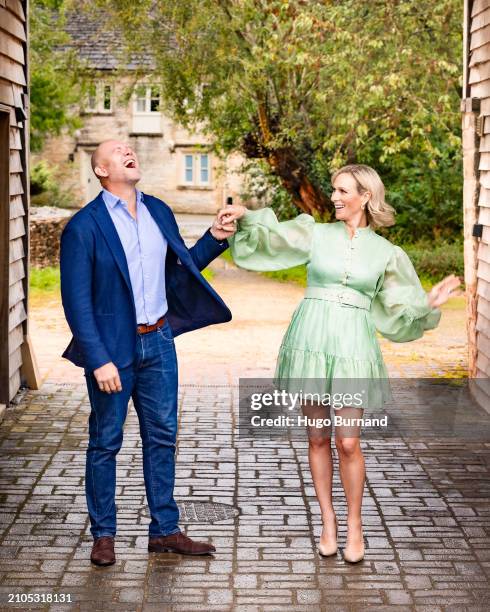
(111,200)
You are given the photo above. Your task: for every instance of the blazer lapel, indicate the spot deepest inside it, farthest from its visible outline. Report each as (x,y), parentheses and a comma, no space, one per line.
(104,221)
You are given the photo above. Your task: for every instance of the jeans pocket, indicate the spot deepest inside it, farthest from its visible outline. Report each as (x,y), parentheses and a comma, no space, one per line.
(166,332)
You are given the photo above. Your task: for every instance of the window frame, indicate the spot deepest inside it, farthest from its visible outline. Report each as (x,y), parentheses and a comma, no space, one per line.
(197,169)
(99,98)
(149,87)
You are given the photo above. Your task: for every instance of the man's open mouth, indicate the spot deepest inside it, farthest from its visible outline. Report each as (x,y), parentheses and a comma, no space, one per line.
(130,163)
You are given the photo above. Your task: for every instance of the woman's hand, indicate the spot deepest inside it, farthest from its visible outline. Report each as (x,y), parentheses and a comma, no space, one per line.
(440,293)
(230,214)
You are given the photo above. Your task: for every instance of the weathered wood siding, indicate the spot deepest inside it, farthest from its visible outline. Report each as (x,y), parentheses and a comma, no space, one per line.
(13,90)
(478,86)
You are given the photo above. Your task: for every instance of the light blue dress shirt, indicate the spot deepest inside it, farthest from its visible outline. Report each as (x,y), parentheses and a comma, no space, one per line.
(145,249)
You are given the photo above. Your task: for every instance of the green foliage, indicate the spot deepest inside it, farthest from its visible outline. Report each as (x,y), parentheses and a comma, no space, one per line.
(55,88)
(44,280)
(373,82)
(435,261)
(41,178)
(45,188)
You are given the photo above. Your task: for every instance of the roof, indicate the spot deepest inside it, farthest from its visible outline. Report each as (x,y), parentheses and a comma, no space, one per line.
(101,46)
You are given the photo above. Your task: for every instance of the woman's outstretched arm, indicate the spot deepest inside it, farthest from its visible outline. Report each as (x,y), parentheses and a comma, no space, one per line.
(263,243)
(401,309)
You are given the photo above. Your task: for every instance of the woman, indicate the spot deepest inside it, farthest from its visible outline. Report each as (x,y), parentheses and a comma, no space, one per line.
(357,282)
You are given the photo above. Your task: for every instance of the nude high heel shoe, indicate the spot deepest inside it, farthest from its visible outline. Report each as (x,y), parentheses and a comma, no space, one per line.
(354,556)
(327,550)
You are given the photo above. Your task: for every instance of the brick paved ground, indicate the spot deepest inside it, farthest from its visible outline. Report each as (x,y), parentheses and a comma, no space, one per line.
(426,505)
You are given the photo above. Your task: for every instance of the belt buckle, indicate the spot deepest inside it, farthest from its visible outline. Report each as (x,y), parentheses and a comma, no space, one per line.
(344,300)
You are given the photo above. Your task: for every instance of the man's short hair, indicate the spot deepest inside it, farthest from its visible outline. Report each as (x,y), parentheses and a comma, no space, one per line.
(95,159)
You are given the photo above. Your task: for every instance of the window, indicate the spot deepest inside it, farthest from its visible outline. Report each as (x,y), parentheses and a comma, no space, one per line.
(189,161)
(140,100)
(204,169)
(147,99)
(92,98)
(196,169)
(107,100)
(99,98)
(146,110)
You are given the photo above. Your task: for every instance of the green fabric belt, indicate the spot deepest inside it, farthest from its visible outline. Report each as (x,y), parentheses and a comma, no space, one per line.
(339,294)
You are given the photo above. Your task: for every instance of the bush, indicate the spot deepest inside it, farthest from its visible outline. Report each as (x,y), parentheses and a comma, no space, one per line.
(435,261)
(41,178)
(45,189)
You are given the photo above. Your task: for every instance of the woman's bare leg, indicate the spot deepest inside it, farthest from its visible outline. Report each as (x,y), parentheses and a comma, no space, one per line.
(352,474)
(321,467)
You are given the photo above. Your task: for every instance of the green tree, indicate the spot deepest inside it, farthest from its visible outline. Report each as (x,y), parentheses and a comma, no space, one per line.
(303,86)
(54,84)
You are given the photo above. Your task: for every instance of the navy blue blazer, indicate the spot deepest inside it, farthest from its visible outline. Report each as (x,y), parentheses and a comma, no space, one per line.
(96,288)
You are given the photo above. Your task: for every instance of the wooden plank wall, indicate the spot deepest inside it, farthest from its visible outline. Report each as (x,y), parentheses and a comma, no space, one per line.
(479,87)
(13,84)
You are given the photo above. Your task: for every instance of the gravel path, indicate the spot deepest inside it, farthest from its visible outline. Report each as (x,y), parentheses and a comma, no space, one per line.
(248,345)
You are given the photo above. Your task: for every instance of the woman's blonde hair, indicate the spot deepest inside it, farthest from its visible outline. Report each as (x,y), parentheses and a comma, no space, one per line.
(379,212)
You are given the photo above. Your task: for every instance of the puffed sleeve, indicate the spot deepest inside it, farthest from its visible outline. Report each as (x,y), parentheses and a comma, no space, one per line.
(262,243)
(400,309)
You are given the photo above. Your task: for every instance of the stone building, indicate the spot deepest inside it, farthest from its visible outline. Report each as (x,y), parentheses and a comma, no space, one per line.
(177,164)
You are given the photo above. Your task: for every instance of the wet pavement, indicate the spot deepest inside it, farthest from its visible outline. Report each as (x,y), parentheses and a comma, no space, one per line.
(426,508)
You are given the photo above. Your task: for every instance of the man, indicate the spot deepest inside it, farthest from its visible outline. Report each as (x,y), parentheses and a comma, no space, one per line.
(129,285)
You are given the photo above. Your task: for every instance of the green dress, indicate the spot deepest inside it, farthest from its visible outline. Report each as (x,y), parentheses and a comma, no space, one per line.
(355,287)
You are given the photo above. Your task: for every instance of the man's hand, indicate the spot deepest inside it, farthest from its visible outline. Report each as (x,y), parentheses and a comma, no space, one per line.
(107,377)
(224,225)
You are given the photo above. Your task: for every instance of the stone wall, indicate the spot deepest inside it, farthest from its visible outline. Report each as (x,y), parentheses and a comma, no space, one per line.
(46,225)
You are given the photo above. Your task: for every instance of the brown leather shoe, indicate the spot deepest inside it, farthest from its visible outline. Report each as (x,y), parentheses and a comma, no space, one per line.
(103,551)
(179,543)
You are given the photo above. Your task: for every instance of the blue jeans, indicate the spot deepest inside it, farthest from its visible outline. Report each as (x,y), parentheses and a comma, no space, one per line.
(152,383)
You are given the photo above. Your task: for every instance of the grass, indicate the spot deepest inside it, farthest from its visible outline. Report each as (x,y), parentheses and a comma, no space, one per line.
(46,281)
(457,374)
(208,274)
(295,275)
(226,255)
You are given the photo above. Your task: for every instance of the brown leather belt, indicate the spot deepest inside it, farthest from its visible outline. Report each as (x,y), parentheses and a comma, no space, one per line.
(143,328)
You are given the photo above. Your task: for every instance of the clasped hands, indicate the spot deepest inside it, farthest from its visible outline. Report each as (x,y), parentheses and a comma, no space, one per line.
(224,225)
